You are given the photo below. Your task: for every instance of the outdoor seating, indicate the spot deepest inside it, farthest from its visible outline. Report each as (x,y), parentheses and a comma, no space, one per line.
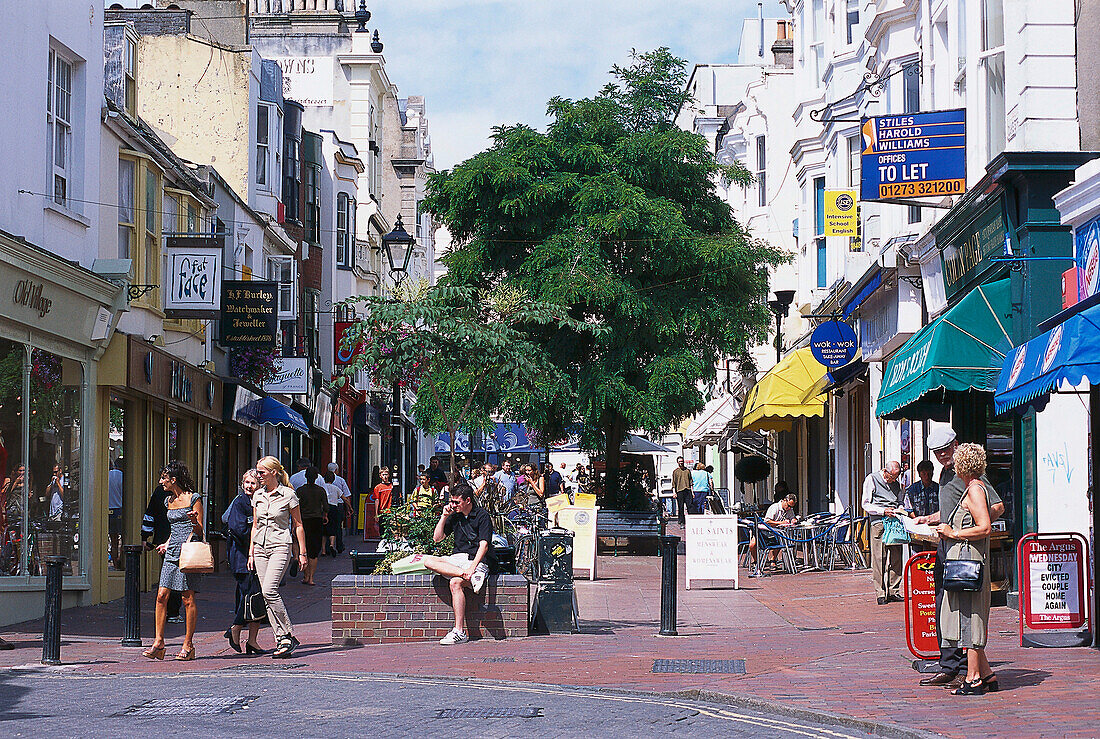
(770,540)
(841,545)
(628,525)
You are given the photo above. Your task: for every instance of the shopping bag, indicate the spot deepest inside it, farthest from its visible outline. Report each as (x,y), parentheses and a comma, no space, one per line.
(411,565)
(893,531)
(196,558)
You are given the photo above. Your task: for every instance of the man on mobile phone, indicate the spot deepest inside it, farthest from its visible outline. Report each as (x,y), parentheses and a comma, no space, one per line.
(467,568)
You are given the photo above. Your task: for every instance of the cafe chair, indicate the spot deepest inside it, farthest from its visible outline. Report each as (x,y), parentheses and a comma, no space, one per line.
(770,540)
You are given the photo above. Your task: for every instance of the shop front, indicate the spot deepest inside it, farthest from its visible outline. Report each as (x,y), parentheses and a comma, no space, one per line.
(55,319)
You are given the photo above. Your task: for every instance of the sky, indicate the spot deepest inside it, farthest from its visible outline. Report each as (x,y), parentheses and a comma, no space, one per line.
(482,63)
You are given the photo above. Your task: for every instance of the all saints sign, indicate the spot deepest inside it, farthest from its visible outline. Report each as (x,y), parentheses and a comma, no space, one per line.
(194,276)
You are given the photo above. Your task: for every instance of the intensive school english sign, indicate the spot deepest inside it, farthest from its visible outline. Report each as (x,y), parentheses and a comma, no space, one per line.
(915,155)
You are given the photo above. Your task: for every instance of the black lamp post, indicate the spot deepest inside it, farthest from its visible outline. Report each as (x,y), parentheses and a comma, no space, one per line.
(398,245)
(780,307)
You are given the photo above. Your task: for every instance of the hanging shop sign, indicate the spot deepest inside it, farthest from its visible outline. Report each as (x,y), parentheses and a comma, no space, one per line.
(341,417)
(920,606)
(916,155)
(971,252)
(1052,581)
(834,344)
(291,378)
(342,356)
(322,413)
(710,548)
(193,276)
(841,213)
(249,314)
(1087,248)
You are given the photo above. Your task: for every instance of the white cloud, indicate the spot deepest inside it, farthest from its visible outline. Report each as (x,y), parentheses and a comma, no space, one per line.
(481,63)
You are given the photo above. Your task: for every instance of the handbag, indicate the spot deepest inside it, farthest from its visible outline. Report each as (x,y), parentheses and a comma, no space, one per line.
(255,606)
(196,558)
(893,532)
(962,575)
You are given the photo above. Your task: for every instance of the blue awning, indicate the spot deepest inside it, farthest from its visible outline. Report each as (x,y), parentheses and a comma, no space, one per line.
(273,413)
(1068,353)
(873,284)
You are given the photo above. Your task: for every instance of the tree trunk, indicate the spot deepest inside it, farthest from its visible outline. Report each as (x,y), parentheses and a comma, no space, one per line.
(454,463)
(614,433)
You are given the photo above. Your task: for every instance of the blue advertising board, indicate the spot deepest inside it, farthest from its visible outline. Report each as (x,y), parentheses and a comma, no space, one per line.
(1087,251)
(913,155)
(834,344)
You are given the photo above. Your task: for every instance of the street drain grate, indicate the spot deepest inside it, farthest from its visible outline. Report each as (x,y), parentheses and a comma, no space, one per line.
(489,713)
(701,666)
(198,705)
(499,659)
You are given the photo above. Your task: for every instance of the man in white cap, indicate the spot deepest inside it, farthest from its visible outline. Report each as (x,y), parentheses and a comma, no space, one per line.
(942,442)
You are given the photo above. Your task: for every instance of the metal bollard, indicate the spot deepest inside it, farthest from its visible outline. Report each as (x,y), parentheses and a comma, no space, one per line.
(668,545)
(131,636)
(51,627)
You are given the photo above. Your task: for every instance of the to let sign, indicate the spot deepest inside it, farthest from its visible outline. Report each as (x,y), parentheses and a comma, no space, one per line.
(1052,581)
(916,155)
(920,606)
(249,315)
(194,276)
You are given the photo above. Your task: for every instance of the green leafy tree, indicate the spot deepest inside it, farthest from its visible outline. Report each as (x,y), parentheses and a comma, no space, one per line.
(468,353)
(613,213)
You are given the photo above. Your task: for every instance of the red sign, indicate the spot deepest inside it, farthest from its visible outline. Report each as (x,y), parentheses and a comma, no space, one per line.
(1053,587)
(342,356)
(920,606)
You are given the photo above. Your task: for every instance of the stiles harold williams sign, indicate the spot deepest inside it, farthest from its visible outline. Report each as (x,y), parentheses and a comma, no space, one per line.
(194,276)
(291,377)
(249,315)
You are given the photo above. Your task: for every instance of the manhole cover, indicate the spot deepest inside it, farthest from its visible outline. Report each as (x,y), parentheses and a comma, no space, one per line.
(199,705)
(499,659)
(489,713)
(701,666)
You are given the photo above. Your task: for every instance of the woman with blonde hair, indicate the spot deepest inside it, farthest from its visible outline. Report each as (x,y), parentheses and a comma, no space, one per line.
(964,614)
(276,519)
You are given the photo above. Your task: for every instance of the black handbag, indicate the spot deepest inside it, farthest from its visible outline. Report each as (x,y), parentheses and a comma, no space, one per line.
(255,607)
(963,575)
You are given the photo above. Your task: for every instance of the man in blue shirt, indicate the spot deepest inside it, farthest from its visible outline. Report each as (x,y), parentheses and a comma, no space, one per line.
(553,479)
(924,494)
(505,477)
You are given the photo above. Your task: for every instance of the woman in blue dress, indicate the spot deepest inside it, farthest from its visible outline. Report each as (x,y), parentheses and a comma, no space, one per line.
(185,517)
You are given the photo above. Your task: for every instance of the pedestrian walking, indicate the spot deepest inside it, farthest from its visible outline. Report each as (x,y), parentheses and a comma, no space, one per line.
(184,512)
(531,490)
(349,504)
(276,521)
(155,527)
(334,520)
(238,522)
(383,497)
(314,510)
(965,614)
(702,485)
(424,496)
(681,487)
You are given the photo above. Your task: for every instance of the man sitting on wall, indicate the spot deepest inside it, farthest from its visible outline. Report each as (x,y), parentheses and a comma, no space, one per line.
(467,567)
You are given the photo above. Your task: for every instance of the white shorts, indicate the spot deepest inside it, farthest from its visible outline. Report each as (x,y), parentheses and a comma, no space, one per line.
(463,560)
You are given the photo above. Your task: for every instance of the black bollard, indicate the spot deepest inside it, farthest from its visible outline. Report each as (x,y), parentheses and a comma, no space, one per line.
(51,627)
(131,636)
(669,545)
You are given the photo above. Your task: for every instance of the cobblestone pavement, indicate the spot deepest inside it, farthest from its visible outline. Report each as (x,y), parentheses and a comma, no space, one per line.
(813,642)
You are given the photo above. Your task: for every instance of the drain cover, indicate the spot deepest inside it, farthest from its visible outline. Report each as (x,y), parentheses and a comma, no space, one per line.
(701,666)
(499,659)
(200,705)
(489,713)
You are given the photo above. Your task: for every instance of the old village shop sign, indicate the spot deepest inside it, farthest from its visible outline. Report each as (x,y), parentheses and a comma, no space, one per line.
(194,275)
(249,316)
(970,252)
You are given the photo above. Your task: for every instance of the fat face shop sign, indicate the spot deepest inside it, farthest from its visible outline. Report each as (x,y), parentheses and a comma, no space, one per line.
(194,276)
(249,315)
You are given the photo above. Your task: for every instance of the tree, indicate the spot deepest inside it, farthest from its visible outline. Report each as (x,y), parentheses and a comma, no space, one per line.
(612,212)
(466,352)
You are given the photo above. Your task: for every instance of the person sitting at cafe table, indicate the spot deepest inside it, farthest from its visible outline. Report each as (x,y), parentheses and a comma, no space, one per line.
(779,514)
(882,496)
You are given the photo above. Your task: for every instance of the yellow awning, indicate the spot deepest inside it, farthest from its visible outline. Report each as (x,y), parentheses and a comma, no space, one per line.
(785,393)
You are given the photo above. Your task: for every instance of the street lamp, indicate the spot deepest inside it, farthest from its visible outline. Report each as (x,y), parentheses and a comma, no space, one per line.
(780,306)
(398,245)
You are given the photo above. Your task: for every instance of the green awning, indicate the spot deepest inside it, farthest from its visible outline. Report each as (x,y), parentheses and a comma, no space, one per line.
(961,351)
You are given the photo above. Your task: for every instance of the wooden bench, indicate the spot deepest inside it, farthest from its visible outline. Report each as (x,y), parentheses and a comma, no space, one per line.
(628,525)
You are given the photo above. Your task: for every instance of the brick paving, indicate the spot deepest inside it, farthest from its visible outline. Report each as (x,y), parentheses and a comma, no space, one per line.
(815,641)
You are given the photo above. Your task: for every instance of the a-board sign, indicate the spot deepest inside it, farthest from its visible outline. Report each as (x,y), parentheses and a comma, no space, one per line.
(1052,581)
(920,606)
(582,522)
(914,155)
(711,548)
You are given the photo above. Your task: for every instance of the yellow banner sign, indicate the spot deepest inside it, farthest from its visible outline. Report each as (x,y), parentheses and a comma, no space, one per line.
(841,212)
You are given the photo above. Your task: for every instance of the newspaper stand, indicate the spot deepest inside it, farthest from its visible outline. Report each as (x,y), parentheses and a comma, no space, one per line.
(1054,587)
(920,610)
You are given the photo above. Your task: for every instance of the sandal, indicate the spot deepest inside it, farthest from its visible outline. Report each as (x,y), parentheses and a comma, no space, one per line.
(970,688)
(186,655)
(153,653)
(990,682)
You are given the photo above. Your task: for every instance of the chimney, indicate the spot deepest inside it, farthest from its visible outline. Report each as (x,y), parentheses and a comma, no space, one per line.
(783,46)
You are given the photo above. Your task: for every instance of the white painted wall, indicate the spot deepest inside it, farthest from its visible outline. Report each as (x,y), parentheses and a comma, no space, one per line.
(1062,464)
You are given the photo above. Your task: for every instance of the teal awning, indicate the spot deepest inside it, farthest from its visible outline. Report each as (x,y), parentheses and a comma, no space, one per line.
(961,351)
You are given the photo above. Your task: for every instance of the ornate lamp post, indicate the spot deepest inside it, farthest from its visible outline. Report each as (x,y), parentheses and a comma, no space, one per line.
(398,245)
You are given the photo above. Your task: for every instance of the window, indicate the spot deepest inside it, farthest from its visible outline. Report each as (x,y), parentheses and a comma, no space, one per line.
(819,230)
(993,64)
(59,127)
(292,178)
(310,301)
(817,43)
(910,87)
(284,270)
(851,21)
(854,154)
(312,208)
(126,213)
(761,180)
(345,231)
(152,226)
(170,213)
(263,135)
(130,72)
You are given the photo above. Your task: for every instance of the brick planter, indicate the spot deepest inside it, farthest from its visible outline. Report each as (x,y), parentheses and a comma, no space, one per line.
(384,609)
